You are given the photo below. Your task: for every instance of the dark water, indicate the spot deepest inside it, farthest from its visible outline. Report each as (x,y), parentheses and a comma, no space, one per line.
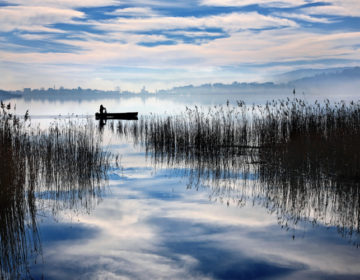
(164,215)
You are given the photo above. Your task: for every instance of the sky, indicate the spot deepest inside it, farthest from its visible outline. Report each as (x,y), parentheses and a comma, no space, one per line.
(122,44)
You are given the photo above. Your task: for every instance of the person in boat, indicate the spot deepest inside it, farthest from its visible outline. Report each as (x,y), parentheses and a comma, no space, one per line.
(102,109)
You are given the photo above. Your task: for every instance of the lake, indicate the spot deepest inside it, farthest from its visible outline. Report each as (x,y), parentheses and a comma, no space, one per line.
(178,215)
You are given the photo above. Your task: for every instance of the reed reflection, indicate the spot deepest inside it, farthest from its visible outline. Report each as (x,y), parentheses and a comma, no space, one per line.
(299,160)
(62,167)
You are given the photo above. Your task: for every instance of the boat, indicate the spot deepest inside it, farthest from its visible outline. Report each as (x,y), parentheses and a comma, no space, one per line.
(117,116)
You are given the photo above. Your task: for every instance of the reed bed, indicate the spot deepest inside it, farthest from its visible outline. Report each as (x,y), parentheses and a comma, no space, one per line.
(300,160)
(57,168)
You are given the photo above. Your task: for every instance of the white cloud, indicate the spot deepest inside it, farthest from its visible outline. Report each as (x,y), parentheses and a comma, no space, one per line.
(95,3)
(232,22)
(240,45)
(336,8)
(192,61)
(304,17)
(284,46)
(35,36)
(241,3)
(134,12)
(34,18)
(64,3)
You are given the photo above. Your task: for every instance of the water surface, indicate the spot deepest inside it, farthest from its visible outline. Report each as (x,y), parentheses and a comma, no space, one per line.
(168,217)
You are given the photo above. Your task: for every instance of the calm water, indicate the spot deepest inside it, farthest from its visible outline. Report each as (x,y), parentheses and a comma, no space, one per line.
(178,219)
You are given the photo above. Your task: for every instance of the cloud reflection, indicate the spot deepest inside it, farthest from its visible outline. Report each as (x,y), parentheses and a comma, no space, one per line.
(191,237)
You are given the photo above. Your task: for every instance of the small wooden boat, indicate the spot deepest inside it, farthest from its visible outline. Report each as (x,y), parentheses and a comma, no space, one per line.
(117,116)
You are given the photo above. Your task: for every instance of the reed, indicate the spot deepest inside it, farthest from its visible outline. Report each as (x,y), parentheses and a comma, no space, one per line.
(300,160)
(62,167)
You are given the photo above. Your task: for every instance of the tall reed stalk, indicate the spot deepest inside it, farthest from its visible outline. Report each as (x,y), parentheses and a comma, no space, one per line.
(60,167)
(300,160)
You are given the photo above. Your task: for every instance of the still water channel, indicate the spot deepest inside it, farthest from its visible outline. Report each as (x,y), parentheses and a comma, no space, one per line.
(170,218)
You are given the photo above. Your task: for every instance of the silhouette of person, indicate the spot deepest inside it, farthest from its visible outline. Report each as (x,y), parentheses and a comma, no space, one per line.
(102,109)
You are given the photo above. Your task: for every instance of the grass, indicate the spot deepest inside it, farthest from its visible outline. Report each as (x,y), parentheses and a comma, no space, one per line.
(60,167)
(300,160)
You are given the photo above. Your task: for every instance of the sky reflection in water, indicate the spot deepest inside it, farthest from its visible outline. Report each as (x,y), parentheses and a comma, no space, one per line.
(152,225)
(149,223)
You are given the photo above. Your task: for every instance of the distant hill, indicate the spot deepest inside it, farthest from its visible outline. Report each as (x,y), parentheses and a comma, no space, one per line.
(292,76)
(305,73)
(348,75)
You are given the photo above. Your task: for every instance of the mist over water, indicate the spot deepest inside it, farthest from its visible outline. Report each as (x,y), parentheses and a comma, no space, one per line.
(176,100)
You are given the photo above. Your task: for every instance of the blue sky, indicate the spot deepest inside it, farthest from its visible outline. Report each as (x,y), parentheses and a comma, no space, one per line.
(159,44)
